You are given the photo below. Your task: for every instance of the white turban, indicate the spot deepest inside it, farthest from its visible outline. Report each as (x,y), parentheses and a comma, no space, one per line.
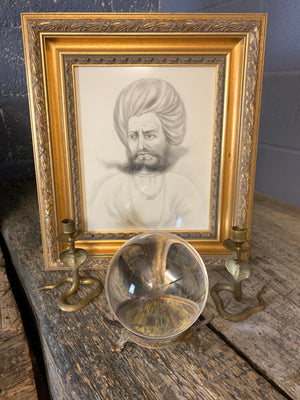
(151,96)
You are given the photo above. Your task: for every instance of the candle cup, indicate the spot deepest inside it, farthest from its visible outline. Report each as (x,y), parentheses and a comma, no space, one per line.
(238,234)
(68,226)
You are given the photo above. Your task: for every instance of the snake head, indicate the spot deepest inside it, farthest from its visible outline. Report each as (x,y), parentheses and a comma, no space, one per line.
(240,270)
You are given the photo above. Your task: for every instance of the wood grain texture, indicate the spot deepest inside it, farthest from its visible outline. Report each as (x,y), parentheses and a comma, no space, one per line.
(16,374)
(77,346)
(271,338)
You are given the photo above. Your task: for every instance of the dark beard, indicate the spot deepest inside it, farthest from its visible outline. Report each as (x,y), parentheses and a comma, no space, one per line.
(134,165)
(162,164)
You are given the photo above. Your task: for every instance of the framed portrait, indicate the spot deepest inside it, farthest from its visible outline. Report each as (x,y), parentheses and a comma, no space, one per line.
(144,122)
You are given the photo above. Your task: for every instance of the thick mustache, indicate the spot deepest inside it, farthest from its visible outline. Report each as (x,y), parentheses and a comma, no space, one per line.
(146,153)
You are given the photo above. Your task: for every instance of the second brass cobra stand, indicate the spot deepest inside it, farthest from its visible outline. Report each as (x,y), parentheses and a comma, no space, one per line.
(240,270)
(73,258)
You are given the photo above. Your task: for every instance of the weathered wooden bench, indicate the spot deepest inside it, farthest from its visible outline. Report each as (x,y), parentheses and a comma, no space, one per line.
(16,371)
(254,359)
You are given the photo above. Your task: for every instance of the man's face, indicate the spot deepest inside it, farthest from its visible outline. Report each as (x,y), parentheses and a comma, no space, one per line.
(146,140)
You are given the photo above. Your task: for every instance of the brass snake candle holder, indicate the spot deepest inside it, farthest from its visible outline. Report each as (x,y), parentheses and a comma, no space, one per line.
(240,270)
(73,258)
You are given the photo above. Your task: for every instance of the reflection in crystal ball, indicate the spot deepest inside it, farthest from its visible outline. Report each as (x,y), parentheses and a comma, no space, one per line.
(157,285)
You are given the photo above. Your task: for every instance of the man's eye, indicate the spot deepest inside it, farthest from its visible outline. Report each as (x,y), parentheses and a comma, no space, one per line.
(150,135)
(132,136)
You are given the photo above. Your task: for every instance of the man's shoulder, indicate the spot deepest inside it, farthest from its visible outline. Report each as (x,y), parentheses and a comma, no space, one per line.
(111,184)
(115,179)
(177,178)
(180,184)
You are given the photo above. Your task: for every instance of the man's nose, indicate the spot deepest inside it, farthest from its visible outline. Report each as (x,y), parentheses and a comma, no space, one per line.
(141,143)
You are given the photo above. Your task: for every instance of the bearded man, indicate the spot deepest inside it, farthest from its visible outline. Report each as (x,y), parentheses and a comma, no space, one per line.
(150,120)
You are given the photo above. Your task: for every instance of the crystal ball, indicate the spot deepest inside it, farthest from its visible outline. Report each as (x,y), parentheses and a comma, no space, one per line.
(156,285)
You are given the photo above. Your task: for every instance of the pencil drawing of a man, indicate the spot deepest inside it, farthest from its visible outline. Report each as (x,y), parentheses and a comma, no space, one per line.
(144,193)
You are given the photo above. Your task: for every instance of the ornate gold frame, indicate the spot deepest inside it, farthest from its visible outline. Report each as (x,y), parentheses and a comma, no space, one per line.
(55,43)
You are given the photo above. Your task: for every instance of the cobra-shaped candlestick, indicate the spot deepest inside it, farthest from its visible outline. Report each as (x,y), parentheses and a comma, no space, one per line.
(73,258)
(240,270)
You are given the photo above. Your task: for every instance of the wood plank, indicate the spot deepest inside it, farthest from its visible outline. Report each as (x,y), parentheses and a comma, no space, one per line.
(16,374)
(270,339)
(77,346)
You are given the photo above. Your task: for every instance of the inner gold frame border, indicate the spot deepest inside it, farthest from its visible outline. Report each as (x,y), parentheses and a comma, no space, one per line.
(52,40)
(71,62)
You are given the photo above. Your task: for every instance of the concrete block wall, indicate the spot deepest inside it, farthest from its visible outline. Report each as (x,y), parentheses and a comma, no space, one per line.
(278,158)
(278,162)
(16,158)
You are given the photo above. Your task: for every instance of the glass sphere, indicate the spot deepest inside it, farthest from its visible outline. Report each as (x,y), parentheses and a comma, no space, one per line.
(157,285)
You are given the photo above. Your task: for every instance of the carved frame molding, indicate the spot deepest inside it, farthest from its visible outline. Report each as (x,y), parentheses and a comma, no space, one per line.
(37,26)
